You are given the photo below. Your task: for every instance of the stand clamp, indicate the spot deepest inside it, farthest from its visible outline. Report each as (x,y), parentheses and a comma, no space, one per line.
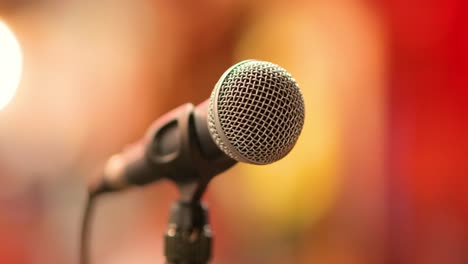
(188,237)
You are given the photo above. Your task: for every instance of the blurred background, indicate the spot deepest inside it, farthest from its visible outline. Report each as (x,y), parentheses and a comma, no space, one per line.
(379,175)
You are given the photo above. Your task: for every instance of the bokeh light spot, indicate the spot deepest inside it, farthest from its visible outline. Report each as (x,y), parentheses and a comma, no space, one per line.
(11,64)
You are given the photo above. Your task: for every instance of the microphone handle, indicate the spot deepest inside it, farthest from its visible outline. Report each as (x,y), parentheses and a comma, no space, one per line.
(178,146)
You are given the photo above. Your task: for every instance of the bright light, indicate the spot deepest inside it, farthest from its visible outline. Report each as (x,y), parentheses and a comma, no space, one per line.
(11,64)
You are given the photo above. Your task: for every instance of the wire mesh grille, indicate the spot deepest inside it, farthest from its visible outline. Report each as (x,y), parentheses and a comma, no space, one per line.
(256,112)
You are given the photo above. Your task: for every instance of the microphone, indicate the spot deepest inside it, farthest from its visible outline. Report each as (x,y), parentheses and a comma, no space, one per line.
(254,115)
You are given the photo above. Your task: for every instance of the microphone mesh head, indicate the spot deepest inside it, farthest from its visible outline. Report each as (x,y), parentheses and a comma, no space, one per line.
(256,112)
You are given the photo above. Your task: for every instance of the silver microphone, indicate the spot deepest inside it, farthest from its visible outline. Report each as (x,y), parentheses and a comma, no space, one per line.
(255,114)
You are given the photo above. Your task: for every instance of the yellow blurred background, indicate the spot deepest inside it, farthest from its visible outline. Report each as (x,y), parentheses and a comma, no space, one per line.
(379,174)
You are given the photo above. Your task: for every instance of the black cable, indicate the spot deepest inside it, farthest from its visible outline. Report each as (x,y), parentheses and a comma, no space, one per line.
(86,229)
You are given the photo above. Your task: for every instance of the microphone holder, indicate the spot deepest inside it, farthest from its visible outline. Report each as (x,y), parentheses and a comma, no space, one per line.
(188,237)
(179,147)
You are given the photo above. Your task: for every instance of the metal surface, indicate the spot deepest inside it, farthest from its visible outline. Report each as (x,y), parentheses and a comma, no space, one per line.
(256,112)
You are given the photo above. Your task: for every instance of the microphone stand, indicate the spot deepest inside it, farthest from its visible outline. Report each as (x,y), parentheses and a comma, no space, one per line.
(188,237)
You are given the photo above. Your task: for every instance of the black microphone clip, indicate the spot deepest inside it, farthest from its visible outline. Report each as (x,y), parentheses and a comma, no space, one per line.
(177,147)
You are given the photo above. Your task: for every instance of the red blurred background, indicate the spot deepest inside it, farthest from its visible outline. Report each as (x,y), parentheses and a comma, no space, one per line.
(379,174)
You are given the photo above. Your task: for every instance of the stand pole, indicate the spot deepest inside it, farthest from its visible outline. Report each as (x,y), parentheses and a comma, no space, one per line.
(188,238)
